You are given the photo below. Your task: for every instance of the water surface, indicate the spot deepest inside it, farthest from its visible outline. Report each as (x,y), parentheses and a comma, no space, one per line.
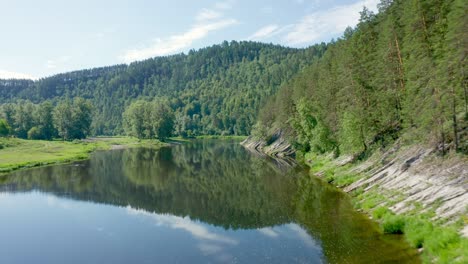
(202,202)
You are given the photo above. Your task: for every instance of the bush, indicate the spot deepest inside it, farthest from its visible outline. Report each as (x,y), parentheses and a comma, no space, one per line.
(380,212)
(417,230)
(393,224)
(440,238)
(34,133)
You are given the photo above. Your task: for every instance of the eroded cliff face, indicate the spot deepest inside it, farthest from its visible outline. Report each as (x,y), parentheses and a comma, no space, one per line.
(278,147)
(418,176)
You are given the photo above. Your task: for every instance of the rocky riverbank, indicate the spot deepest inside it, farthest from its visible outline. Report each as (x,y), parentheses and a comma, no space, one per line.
(276,147)
(404,177)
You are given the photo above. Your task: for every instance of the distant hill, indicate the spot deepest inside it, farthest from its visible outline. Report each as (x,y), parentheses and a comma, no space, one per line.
(215,90)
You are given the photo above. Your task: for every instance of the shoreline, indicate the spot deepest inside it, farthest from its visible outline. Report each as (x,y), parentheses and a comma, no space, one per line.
(406,190)
(17,154)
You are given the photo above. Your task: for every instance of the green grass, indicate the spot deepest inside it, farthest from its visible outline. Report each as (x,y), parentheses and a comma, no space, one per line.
(324,166)
(441,242)
(19,153)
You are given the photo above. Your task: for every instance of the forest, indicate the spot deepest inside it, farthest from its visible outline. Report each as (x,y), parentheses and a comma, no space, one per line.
(400,74)
(68,120)
(213,91)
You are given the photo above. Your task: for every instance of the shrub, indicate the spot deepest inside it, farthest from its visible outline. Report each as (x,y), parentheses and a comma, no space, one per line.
(380,212)
(417,230)
(440,238)
(393,224)
(34,133)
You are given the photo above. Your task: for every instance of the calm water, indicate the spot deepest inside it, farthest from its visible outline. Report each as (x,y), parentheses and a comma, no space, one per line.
(202,202)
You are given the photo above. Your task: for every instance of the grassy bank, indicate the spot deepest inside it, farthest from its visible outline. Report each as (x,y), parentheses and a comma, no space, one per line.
(438,239)
(19,153)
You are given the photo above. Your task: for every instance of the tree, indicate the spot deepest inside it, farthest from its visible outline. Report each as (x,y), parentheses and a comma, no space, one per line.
(144,119)
(63,119)
(45,121)
(81,118)
(162,119)
(35,133)
(133,119)
(233,79)
(23,118)
(5,129)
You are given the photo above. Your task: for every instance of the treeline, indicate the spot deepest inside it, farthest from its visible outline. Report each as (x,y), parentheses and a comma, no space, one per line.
(68,120)
(400,74)
(148,120)
(215,90)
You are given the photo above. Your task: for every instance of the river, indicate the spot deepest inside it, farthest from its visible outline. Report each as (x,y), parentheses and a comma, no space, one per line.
(207,201)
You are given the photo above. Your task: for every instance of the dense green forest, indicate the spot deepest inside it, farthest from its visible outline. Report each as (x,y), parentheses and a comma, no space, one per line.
(67,120)
(215,90)
(400,74)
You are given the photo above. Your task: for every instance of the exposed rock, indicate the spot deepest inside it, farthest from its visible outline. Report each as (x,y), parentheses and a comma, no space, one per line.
(420,178)
(279,149)
(464,232)
(414,173)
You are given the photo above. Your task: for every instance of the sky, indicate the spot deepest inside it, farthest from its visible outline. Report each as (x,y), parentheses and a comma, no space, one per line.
(42,38)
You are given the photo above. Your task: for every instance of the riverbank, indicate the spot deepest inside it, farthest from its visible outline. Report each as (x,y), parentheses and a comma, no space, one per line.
(221,137)
(19,153)
(408,190)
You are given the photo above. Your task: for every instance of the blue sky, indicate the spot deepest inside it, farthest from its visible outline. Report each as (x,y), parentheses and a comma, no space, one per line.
(41,38)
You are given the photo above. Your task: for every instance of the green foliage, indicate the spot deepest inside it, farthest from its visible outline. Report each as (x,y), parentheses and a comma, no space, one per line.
(69,120)
(440,239)
(215,90)
(417,230)
(144,119)
(73,119)
(45,121)
(63,119)
(380,212)
(34,133)
(400,72)
(351,134)
(393,224)
(442,244)
(4,128)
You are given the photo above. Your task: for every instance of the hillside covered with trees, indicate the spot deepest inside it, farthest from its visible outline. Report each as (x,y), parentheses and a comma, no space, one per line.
(215,90)
(400,74)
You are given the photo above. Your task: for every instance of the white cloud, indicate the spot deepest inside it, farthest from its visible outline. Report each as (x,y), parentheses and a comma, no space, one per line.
(52,201)
(304,236)
(208,14)
(195,229)
(176,43)
(318,25)
(265,32)
(268,231)
(206,21)
(15,75)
